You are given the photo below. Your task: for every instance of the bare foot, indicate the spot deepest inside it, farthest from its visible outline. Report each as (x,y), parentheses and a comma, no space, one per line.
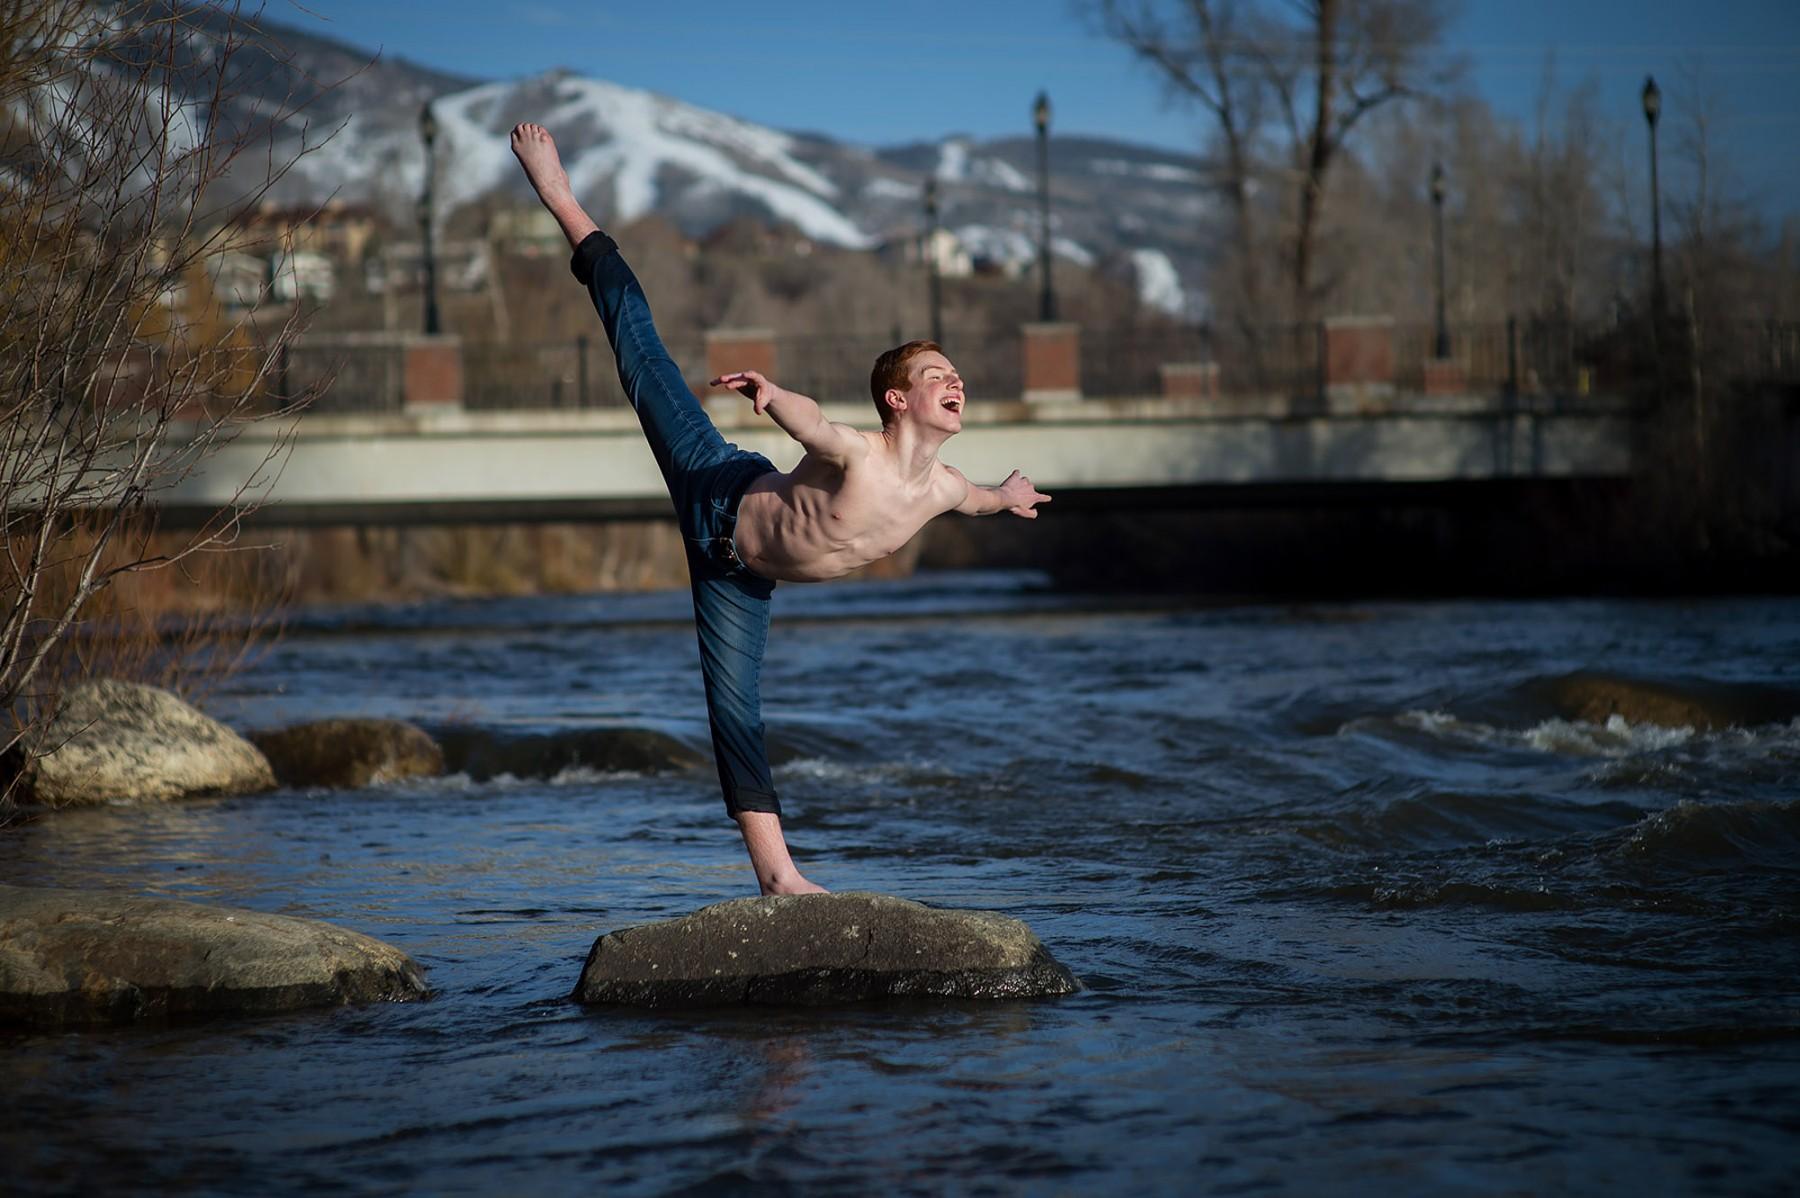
(536,151)
(775,872)
(792,885)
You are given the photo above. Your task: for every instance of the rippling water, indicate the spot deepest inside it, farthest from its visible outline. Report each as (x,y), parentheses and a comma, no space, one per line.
(1357,908)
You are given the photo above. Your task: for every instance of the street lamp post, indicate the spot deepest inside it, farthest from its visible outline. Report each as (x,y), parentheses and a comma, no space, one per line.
(931,260)
(1442,349)
(428,129)
(1040,116)
(1652,109)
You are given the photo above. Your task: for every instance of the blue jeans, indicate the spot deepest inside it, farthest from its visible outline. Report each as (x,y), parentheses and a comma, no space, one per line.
(706,476)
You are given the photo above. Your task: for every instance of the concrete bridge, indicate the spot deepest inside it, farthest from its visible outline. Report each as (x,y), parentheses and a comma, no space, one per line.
(435,464)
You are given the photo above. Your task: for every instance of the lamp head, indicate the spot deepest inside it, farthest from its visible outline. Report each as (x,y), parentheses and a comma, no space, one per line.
(1652,99)
(428,126)
(1040,111)
(1437,182)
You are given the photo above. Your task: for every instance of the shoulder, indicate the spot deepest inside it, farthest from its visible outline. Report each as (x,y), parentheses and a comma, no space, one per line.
(951,484)
(841,445)
(865,440)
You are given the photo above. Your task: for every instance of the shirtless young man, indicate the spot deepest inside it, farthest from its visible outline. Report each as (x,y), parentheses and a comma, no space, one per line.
(855,497)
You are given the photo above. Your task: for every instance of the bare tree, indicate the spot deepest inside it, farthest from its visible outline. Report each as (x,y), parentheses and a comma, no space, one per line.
(124,145)
(1285,86)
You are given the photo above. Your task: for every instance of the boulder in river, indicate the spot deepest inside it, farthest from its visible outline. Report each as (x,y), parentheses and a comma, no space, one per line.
(119,740)
(74,956)
(817,950)
(349,754)
(1595,698)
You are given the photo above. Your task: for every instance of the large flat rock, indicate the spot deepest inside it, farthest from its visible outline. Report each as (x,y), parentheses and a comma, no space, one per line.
(819,949)
(73,956)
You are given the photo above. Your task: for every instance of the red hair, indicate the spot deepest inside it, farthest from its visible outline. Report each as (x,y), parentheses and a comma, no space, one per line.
(893,372)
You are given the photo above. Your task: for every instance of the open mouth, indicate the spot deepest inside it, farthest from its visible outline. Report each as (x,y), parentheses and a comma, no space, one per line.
(954,405)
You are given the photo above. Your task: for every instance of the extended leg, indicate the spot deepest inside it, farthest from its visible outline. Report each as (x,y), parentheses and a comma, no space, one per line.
(679,432)
(731,617)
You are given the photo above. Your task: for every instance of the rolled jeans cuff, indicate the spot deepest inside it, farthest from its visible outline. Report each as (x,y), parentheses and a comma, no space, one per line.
(593,247)
(749,800)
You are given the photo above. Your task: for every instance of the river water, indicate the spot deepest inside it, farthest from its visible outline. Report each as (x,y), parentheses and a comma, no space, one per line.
(1357,909)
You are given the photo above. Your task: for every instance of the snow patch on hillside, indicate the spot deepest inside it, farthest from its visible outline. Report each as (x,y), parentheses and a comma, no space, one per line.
(645,134)
(956,165)
(1158,283)
(1074,251)
(884,188)
(1012,247)
(1157,172)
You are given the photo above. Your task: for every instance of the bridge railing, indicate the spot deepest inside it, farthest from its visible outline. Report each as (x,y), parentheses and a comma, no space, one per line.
(371,372)
(836,368)
(568,374)
(1266,360)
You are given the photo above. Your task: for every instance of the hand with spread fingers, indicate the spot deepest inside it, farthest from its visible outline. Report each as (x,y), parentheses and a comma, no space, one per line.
(752,386)
(1020,496)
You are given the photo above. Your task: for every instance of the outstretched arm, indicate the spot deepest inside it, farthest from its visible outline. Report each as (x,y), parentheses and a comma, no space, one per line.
(1015,495)
(797,415)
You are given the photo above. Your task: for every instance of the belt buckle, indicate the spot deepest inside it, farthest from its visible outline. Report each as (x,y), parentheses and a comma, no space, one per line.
(726,552)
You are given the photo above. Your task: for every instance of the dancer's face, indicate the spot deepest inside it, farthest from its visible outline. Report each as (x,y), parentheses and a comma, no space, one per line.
(936,393)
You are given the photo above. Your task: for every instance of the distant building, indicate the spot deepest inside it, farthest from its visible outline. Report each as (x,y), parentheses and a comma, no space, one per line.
(302,274)
(239,280)
(940,246)
(528,230)
(946,250)
(752,238)
(464,264)
(339,230)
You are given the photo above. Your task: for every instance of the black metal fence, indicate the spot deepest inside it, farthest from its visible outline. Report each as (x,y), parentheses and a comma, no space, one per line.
(551,375)
(349,376)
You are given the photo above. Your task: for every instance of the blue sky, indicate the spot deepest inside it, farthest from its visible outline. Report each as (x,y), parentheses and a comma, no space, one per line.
(884,74)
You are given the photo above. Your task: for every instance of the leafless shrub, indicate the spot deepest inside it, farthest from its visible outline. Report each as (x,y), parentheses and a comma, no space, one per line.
(130,137)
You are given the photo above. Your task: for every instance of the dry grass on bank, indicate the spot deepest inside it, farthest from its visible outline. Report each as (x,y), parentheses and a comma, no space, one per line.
(402,564)
(183,627)
(387,564)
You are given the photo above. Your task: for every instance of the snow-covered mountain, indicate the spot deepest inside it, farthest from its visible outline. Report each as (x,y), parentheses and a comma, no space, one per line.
(1132,210)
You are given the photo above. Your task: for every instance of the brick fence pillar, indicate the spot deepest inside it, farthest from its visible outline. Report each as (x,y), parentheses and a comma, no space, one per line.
(1359,362)
(432,373)
(1190,380)
(1052,361)
(1445,376)
(729,350)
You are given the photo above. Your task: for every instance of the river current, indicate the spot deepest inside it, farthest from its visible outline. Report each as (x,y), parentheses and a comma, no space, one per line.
(1357,908)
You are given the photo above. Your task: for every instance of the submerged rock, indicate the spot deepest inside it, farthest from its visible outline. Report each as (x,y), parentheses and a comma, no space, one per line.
(819,949)
(350,753)
(483,753)
(1707,706)
(72,956)
(119,740)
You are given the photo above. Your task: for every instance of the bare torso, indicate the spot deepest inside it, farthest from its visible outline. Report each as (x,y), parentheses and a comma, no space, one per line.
(822,520)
